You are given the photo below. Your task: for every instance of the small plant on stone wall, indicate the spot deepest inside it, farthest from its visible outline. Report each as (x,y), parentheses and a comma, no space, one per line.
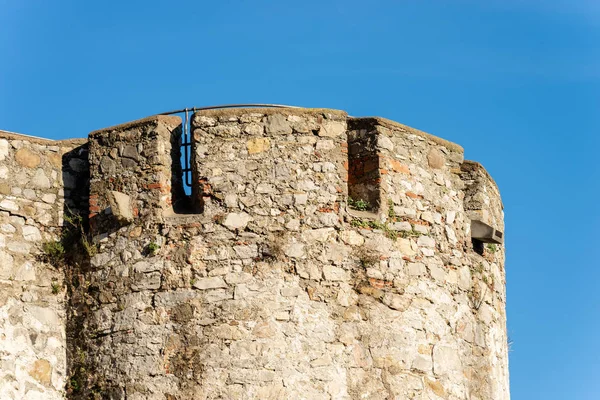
(391,212)
(478,268)
(73,385)
(55,287)
(488,280)
(409,234)
(491,247)
(360,223)
(152,248)
(360,204)
(54,252)
(75,231)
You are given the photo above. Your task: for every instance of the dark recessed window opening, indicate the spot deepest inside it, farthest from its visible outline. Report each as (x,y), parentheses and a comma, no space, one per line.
(181,173)
(477,246)
(364,179)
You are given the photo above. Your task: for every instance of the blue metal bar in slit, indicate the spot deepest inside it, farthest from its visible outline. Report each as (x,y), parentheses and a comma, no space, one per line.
(187,150)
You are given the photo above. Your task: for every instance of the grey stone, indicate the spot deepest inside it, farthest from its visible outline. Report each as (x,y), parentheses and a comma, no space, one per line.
(3,149)
(149,281)
(277,124)
(131,152)
(445,360)
(331,128)
(436,159)
(210,283)
(416,269)
(237,221)
(291,291)
(6,265)
(397,302)
(295,250)
(40,180)
(9,205)
(450,216)
(352,238)
(253,129)
(108,166)
(332,273)
(18,247)
(401,226)
(49,198)
(425,241)
(422,229)
(300,198)
(26,272)
(246,251)
(384,142)
(120,204)
(31,234)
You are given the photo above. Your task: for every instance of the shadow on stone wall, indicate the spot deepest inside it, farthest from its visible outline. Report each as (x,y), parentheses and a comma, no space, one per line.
(78,251)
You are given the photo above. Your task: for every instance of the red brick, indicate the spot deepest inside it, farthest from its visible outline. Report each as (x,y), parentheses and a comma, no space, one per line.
(379,284)
(414,195)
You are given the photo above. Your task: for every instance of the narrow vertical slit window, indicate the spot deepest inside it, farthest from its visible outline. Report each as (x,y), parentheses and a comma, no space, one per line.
(181,175)
(186,156)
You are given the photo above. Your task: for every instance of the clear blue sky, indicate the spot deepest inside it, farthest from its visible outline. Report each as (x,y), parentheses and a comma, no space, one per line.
(516,83)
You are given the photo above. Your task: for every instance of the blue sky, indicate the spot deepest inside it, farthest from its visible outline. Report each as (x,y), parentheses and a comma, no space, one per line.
(516,83)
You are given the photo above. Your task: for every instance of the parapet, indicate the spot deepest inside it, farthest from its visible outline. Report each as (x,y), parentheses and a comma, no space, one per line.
(363,159)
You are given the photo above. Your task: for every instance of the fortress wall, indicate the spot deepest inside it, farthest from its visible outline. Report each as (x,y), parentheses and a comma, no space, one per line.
(265,282)
(36,176)
(271,287)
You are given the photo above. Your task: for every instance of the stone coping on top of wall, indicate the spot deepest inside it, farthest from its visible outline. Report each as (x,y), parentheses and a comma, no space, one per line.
(388,123)
(169,119)
(38,140)
(224,112)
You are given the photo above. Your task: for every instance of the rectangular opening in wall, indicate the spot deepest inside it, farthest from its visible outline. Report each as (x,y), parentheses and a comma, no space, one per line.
(364,180)
(181,174)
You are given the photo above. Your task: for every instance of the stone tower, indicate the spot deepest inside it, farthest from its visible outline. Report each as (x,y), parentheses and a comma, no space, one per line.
(315,256)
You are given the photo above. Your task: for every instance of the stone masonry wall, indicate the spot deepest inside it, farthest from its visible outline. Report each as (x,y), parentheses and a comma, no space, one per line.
(265,282)
(35,177)
(275,288)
